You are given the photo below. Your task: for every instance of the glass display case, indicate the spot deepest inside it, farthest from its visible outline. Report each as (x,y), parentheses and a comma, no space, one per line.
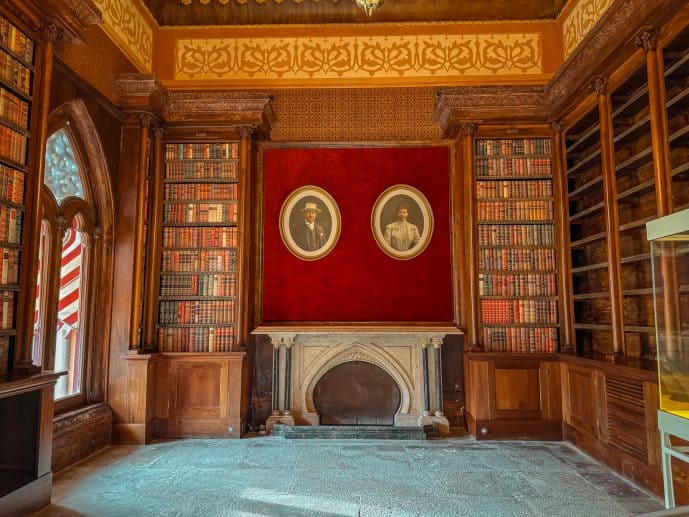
(669,238)
(669,249)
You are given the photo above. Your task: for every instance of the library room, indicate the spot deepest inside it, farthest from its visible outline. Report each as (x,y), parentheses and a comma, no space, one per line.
(344,257)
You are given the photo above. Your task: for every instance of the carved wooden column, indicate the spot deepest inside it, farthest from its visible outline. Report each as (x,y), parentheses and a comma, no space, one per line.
(611,213)
(564,259)
(470,283)
(662,171)
(243,273)
(136,324)
(152,285)
(33,188)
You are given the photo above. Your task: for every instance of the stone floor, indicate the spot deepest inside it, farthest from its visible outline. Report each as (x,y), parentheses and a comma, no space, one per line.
(274,476)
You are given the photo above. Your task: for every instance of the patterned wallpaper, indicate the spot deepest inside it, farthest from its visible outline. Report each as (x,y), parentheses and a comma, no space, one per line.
(434,57)
(366,114)
(580,20)
(130,29)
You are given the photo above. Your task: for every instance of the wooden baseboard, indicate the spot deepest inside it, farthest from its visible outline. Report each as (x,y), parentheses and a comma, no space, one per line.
(28,499)
(195,428)
(516,429)
(133,434)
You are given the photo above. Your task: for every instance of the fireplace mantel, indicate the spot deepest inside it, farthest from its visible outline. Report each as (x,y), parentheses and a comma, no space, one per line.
(411,355)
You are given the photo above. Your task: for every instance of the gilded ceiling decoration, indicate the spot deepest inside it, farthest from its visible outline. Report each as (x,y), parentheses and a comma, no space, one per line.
(580,20)
(130,30)
(432,58)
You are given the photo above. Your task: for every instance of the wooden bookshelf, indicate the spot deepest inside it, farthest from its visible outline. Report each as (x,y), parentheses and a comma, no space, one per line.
(636,202)
(198,268)
(590,285)
(516,245)
(16,82)
(676,61)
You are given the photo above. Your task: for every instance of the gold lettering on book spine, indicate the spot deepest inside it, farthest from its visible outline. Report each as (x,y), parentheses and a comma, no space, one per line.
(403,56)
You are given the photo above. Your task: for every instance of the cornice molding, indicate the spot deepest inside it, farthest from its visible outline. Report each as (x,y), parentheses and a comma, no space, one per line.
(140,92)
(70,17)
(507,104)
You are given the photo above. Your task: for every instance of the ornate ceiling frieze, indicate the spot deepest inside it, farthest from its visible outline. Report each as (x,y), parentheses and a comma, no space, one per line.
(130,30)
(440,57)
(580,21)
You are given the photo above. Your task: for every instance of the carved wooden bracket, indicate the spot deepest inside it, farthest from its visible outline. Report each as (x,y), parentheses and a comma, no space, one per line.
(140,92)
(488,104)
(647,40)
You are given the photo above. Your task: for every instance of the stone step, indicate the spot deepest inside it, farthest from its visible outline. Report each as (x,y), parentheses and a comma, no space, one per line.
(353,432)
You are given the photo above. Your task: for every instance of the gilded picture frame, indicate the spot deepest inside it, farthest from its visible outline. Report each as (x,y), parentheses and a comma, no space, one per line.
(402,222)
(310,223)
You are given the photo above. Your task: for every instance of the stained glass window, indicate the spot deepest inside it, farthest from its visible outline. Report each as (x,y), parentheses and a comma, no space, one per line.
(61,170)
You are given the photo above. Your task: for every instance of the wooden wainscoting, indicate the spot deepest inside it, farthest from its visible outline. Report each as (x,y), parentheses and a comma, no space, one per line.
(514,396)
(202,394)
(610,411)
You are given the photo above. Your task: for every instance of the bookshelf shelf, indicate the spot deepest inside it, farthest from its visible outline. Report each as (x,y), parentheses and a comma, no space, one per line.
(197,299)
(516,252)
(16,83)
(585,136)
(589,267)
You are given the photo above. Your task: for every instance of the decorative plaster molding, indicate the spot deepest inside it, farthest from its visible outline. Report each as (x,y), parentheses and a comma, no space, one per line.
(580,21)
(130,30)
(358,57)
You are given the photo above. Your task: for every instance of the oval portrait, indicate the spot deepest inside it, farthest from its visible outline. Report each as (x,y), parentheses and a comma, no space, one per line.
(402,222)
(310,223)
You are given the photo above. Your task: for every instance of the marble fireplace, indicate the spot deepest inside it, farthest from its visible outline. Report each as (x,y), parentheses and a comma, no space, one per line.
(411,357)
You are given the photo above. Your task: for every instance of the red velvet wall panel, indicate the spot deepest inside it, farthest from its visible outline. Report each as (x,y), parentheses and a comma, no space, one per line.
(357,281)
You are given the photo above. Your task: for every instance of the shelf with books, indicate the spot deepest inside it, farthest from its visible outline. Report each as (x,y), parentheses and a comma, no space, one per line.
(516,256)
(16,83)
(636,202)
(589,273)
(676,61)
(198,278)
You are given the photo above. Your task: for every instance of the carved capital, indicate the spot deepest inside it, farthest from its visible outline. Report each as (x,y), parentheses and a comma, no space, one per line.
(246,132)
(288,341)
(468,129)
(51,33)
(437,342)
(600,86)
(425,342)
(97,232)
(556,126)
(275,341)
(61,223)
(147,119)
(158,132)
(647,40)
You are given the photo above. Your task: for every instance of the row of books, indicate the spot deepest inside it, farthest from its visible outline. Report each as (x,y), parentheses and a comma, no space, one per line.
(219,237)
(200,260)
(198,285)
(11,185)
(520,339)
(194,312)
(509,166)
(16,40)
(201,191)
(518,311)
(14,109)
(14,73)
(518,284)
(508,189)
(9,266)
(493,147)
(199,170)
(10,225)
(517,259)
(200,213)
(7,310)
(199,339)
(516,235)
(12,145)
(222,151)
(515,210)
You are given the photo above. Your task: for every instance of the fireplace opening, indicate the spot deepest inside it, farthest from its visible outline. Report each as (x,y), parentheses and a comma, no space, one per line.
(356,393)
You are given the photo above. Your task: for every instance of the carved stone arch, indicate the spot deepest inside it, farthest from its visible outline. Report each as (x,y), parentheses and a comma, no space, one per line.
(356,351)
(74,118)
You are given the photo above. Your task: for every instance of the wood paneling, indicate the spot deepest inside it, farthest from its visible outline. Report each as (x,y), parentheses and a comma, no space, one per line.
(80,433)
(202,394)
(517,389)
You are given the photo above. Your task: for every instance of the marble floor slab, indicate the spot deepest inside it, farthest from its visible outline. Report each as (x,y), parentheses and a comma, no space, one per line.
(271,476)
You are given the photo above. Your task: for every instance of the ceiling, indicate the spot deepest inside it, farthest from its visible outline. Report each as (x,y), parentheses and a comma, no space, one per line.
(258,12)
